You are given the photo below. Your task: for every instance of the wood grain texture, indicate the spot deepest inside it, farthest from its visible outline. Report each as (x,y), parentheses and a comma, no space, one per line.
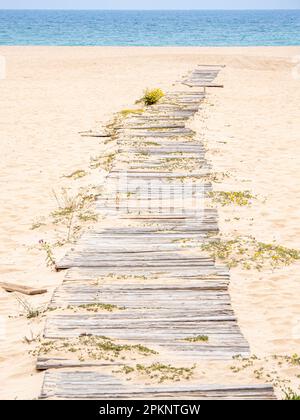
(92,385)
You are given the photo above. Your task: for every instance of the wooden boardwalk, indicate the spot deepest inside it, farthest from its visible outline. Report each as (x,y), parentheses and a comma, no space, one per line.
(148,262)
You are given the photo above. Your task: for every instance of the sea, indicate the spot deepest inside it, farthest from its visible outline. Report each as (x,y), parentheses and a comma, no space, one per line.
(150,28)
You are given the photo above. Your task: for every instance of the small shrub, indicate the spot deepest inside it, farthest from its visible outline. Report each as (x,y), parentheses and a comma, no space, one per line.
(294,359)
(151,97)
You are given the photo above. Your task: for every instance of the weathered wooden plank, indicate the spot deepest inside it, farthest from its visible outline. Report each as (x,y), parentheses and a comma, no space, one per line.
(197,83)
(26,290)
(162,327)
(94,385)
(44,363)
(147,125)
(176,132)
(143,296)
(153,279)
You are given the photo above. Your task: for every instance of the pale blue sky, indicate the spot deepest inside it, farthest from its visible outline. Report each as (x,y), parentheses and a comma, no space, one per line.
(150,4)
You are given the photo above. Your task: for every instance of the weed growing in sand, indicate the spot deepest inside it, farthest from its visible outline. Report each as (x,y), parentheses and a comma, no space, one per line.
(249,253)
(216,177)
(31,339)
(160,372)
(271,369)
(126,112)
(96,307)
(104,162)
(188,164)
(88,217)
(92,347)
(50,260)
(28,310)
(76,174)
(151,97)
(197,339)
(73,209)
(37,224)
(226,198)
(290,395)
(294,359)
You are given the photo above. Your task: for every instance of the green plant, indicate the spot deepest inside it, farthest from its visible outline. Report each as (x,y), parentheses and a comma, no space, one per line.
(28,309)
(249,253)
(225,198)
(50,260)
(162,372)
(294,359)
(159,372)
(151,97)
(88,217)
(74,208)
(104,162)
(126,112)
(37,224)
(92,347)
(197,338)
(188,164)
(76,174)
(127,369)
(289,394)
(95,307)
(216,176)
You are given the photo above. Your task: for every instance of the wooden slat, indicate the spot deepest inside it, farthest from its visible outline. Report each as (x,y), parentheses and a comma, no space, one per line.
(94,385)
(26,290)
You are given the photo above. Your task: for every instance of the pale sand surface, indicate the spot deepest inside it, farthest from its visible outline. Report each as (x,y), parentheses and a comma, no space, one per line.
(251,131)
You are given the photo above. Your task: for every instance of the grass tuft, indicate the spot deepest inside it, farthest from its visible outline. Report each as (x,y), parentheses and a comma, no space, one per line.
(290,395)
(28,310)
(151,97)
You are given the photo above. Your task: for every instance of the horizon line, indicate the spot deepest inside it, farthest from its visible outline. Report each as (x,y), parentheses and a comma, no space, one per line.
(149,10)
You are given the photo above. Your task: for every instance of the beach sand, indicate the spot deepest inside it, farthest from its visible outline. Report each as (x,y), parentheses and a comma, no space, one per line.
(251,130)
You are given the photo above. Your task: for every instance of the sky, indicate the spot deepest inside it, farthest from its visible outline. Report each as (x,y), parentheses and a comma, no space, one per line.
(150,4)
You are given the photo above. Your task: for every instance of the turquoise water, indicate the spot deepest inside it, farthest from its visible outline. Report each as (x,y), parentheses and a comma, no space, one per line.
(145,28)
